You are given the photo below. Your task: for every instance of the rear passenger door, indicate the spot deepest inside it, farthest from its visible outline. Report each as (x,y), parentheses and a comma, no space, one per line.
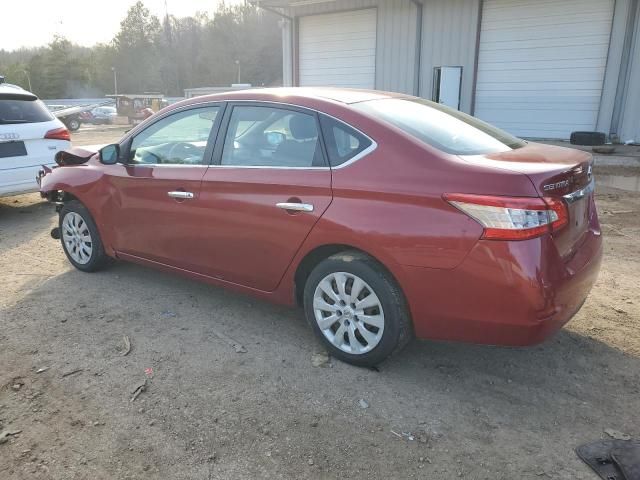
(268,186)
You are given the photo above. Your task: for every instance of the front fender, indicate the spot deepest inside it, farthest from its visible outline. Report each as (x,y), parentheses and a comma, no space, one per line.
(83,182)
(78,180)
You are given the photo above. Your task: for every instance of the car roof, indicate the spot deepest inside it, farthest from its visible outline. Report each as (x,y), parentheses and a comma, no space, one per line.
(298,95)
(8,89)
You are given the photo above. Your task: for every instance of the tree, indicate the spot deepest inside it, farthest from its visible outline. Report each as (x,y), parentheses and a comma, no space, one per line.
(136,50)
(196,51)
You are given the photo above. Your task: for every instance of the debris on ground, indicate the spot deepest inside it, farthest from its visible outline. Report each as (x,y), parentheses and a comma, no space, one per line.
(4,435)
(604,149)
(618,435)
(138,390)
(239,348)
(363,403)
(127,346)
(40,370)
(16,386)
(169,313)
(404,435)
(320,359)
(71,372)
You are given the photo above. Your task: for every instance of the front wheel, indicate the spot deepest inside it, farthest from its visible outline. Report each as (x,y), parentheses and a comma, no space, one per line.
(80,238)
(356,309)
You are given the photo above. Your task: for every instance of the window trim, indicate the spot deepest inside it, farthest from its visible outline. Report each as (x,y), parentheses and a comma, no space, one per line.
(222,123)
(127,141)
(372,146)
(219,147)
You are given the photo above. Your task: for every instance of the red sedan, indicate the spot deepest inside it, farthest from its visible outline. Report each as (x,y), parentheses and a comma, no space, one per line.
(384,215)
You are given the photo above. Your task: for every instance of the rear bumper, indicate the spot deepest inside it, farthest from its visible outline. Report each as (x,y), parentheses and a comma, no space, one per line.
(504,293)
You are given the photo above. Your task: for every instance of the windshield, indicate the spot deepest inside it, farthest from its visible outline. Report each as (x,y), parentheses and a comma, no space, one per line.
(441,127)
(13,111)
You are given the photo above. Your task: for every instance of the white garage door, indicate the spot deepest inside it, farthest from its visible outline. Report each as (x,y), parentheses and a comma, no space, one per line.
(541,65)
(338,49)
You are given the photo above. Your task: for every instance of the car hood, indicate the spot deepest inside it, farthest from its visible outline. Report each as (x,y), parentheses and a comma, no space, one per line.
(76,155)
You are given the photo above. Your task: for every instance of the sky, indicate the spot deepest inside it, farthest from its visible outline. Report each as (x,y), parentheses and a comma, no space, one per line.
(32,23)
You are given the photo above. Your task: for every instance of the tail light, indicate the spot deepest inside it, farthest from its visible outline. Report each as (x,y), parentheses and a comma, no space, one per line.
(512,218)
(58,134)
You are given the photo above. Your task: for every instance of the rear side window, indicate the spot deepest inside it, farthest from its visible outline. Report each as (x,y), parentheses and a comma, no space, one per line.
(14,111)
(441,127)
(343,142)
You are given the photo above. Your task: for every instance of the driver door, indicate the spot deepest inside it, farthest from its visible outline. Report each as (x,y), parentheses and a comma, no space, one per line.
(154,200)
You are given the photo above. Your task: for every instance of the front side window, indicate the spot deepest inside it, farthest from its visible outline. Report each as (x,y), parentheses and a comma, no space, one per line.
(179,139)
(271,137)
(441,127)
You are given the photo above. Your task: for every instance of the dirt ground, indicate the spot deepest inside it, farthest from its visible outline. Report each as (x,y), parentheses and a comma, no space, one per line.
(436,411)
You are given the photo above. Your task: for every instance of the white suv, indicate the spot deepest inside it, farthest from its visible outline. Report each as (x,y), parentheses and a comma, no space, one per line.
(30,136)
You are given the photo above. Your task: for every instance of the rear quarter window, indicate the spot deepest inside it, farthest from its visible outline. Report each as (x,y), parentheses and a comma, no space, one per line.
(342,141)
(15,110)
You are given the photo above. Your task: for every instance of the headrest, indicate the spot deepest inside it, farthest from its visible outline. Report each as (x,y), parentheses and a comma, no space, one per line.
(303,127)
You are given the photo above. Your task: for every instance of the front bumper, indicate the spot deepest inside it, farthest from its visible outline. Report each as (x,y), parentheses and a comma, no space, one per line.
(504,293)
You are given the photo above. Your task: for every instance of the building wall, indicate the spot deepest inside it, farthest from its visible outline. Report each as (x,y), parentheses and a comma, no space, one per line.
(614,63)
(449,38)
(629,125)
(396,54)
(287,52)
(449,34)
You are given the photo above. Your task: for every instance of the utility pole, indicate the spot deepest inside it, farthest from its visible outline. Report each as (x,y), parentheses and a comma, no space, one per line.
(239,70)
(115,80)
(26,72)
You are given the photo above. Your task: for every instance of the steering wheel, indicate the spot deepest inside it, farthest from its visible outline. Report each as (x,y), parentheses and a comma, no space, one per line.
(188,149)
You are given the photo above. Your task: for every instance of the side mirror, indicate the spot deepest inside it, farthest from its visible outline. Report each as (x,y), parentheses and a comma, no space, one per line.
(110,154)
(275,138)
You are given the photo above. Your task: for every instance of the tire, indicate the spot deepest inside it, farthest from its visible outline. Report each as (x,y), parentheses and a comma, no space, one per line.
(362,343)
(73,124)
(587,138)
(76,225)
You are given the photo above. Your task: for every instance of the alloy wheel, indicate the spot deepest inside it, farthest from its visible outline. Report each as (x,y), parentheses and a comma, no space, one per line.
(348,313)
(77,238)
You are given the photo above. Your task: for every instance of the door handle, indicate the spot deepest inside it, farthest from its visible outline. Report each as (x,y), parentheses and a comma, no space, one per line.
(295,207)
(180,194)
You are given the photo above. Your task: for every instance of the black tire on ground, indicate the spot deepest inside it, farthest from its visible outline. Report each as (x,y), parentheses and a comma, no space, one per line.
(98,258)
(398,330)
(588,138)
(73,124)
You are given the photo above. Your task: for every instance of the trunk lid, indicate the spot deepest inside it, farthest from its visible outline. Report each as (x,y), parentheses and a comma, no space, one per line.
(557,172)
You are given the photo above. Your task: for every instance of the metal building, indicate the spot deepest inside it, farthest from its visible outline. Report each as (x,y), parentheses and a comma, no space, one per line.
(537,68)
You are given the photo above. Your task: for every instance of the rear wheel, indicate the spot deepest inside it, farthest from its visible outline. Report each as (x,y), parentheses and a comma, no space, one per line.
(80,238)
(73,124)
(357,309)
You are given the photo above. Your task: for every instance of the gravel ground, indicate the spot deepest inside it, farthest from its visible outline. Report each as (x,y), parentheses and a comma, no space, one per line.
(281,409)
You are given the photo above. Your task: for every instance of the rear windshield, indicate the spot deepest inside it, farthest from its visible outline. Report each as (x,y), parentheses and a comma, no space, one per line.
(13,110)
(441,127)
